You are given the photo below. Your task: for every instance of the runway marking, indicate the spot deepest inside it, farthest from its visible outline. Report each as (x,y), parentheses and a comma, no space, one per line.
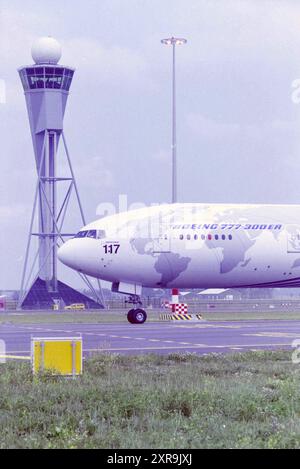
(188,344)
(110,336)
(113,349)
(120,337)
(105,344)
(98,334)
(273,334)
(208,326)
(189,347)
(176,346)
(247,345)
(18,357)
(47,329)
(17,314)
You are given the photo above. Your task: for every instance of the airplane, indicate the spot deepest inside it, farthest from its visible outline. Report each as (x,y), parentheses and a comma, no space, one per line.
(189,245)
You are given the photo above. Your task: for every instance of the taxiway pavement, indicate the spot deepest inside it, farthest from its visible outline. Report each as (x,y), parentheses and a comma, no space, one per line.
(160,337)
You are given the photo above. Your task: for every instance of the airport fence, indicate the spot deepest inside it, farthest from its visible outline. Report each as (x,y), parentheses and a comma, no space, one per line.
(216,305)
(199,305)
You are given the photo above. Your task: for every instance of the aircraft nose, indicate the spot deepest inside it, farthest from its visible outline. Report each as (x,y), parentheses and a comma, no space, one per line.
(67,254)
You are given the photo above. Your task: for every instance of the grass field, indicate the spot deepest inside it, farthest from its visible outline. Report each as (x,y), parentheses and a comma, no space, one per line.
(119,316)
(249,400)
(72,317)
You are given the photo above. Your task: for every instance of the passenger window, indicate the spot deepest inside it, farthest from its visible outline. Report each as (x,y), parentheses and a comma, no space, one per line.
(230,237)
(181,236)
(195,237)
(188,237)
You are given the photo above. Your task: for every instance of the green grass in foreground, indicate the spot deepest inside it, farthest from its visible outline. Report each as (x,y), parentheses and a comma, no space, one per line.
(153,401)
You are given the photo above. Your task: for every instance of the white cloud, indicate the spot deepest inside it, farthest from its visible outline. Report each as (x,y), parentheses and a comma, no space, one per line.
(19,28)
(9,212)
(162,155)
(101,63)
(219,30)
(104,64)
(94,173)
(209,128)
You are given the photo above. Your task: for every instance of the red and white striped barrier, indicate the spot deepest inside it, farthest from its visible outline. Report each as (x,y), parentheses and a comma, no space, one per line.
(175,296)
(179,308)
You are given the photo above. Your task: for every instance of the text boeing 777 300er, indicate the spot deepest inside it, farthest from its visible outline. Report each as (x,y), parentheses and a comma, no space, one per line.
(190,246)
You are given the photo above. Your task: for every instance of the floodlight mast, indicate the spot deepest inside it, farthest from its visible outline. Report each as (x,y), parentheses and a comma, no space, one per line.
(174,41)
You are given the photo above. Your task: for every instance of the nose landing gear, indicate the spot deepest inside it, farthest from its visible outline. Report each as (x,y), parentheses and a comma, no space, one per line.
(136,315)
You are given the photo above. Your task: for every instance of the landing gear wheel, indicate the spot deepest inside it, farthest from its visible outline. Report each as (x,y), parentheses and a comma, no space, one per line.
(138,316)
(130,316)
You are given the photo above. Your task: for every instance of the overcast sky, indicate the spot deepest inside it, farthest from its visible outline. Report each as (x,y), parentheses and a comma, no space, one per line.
(238,128)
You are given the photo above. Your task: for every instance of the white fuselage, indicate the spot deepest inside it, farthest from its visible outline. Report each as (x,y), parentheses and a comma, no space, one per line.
(191,246)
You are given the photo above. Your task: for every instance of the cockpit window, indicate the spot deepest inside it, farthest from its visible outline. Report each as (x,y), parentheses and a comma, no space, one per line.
(101,234)
(91,234)
(81,234)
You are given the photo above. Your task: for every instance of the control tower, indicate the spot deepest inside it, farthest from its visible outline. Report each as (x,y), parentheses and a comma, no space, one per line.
(46,86)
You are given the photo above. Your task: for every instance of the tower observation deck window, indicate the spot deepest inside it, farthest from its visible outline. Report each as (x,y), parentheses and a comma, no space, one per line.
(53,78)
(46,78)
(68,75)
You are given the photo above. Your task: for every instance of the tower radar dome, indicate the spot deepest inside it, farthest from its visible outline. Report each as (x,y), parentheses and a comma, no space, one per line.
(46,50)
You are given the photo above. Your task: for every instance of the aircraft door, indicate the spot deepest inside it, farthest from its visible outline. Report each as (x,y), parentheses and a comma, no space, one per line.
(162,239)
(293,238)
